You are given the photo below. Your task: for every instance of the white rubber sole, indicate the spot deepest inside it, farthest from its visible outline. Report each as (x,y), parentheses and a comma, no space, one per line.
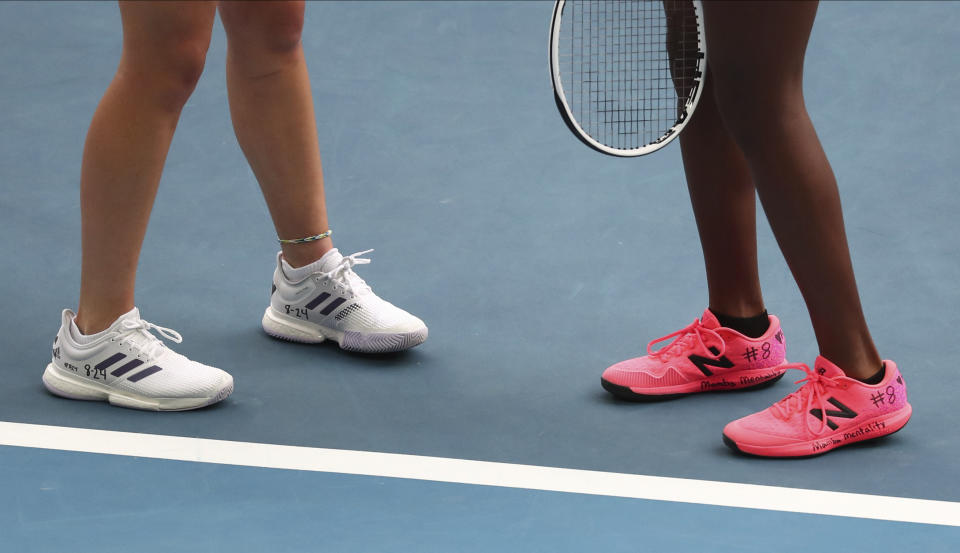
(65,384)
(293,330)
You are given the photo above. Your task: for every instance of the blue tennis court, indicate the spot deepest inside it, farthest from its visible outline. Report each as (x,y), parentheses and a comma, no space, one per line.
(536,263)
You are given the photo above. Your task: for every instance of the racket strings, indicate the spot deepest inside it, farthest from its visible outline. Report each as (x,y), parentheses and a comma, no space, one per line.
(628,67)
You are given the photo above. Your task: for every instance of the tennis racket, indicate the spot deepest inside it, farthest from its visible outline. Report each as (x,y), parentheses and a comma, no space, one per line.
(627,74)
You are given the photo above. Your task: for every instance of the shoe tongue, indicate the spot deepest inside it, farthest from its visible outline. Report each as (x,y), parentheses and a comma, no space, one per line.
(824,367)
(709,320)
(330,260)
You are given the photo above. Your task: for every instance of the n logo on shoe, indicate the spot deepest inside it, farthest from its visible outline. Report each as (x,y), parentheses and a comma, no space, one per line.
(843,413)
(703,362)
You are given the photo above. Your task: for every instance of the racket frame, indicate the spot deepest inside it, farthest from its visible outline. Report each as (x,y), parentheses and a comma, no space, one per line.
(560,98)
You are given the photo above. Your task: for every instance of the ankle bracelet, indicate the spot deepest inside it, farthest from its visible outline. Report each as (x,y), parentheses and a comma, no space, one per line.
(313,238)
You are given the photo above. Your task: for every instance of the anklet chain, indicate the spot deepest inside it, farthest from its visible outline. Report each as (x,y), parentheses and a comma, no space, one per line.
(313,238)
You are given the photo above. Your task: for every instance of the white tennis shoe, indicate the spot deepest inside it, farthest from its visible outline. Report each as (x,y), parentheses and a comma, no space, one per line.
(128,366)
(327,300)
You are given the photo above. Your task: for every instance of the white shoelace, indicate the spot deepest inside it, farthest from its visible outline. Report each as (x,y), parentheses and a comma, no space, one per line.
(344,275)
(153,346)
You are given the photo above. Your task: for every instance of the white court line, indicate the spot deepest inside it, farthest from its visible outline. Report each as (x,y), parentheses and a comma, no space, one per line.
(440,469)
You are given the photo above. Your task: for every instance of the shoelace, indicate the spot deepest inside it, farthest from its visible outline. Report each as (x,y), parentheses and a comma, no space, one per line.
(693,329)
(143,328)
(343,273)
(807,396)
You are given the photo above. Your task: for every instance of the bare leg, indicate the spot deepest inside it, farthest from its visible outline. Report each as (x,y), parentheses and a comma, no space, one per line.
(756,53)
(272,110)
(718,178)
(164,48)
(724,204)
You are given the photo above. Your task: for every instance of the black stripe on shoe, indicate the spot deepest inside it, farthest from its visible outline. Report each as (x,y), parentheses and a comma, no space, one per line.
(109,361)
(317,300)
(124,369)
(152,369)
(332,305)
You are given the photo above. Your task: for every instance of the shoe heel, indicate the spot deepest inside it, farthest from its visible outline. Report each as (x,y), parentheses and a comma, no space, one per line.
(64,386)
(288,330)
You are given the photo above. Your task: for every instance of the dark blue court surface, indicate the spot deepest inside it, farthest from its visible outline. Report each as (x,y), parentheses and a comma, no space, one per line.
(535,261)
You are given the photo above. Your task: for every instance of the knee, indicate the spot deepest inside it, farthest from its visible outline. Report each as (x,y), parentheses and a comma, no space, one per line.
(268,28)
(753,106)
(167,70)
(282,33)
(186,66)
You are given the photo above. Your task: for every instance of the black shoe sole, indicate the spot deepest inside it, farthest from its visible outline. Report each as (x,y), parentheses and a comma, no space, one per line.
(625,393)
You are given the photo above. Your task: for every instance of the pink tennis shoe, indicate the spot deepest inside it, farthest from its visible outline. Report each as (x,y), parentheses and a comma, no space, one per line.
(830,410)
(703,357)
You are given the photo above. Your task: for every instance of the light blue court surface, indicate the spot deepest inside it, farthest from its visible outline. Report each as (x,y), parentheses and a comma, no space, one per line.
(535,261)
(247,509)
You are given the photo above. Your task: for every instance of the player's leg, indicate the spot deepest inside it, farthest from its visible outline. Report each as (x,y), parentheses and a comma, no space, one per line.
(164,47)
(719,182)
(107,352)
(724,205)
(735,344)
(272,109)
(757,53)
(316,294)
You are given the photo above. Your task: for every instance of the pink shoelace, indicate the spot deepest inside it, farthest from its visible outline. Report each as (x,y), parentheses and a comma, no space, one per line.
(694,329)
(808,396)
